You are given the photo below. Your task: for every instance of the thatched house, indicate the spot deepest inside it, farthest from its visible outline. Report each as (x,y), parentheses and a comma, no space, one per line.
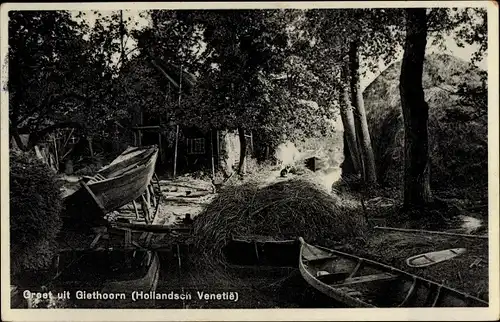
(208,151)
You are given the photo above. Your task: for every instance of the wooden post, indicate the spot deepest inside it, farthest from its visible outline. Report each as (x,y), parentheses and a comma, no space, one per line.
(177,127)
(152,192)
(139,132)
(148,197)
(160,148)
(175,149)
(251,143)
(212,152)
(135,210)
(217,138)
(145,209)
(56,154)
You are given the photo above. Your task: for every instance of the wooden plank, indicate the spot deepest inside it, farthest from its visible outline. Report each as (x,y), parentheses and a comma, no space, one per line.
(148,228)
(143,236)
(145,209)
(148,239)
(438,294)
(368,279)
(96,239)
(318,259)
(135,209)
(333,277)
(356,269)
(410,293)
(128,238)
(148,197)
(146,127)
(94,197)
(153,196)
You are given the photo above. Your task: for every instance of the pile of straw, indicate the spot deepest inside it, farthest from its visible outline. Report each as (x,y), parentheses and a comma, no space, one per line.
(283,210)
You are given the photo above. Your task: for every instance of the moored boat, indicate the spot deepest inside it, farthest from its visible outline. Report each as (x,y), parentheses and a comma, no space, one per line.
(359,282)
(117,184)
(261,251)
(107,278)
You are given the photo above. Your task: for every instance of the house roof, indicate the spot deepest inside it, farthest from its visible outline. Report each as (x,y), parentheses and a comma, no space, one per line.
(173,73)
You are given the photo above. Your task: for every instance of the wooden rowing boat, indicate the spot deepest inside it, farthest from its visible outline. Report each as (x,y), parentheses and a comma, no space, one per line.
(360,282)
(263,261)
(261,251)
(124,180)
(108,271)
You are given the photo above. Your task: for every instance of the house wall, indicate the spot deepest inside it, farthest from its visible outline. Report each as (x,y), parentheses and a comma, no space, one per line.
(229,151)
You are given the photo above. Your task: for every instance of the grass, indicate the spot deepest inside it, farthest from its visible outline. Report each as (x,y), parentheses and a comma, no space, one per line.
(393,248)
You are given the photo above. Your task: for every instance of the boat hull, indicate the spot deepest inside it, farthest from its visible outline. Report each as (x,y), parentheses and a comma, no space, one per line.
(123,182)
(359,282)
(258,251)
(138,271)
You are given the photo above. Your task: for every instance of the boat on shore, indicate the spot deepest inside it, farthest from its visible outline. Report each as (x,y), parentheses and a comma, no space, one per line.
(360,282)
(115,185)
(91,278)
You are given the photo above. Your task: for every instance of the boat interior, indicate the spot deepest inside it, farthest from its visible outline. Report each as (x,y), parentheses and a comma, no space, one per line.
(362,281)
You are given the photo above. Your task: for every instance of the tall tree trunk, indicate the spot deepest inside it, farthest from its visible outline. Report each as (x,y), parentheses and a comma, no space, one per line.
(417,190)
(365,144)
(352,164)
(347,166)
(243,150)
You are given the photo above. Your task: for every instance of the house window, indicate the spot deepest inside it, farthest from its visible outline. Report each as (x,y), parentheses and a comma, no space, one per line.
(196,146)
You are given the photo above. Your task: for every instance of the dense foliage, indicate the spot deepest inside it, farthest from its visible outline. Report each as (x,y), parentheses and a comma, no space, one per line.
(35,206)
(63,74)
(249,74)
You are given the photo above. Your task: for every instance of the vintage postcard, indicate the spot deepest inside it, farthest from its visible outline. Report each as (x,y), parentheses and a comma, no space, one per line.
(237,161)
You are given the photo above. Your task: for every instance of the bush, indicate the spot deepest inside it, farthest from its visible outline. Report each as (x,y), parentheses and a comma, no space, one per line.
(35,206)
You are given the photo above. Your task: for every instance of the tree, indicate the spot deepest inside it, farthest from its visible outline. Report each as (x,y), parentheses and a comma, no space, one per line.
(39,42)
(351,153)
(62,74)
(361,125)
(415,111)
(360,38)
(249,78)
(417,192)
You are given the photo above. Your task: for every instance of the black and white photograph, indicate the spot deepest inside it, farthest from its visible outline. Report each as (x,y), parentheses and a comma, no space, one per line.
(300,157)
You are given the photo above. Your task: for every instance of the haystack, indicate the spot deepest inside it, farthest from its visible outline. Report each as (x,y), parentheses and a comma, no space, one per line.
(457,130)
(295,207)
